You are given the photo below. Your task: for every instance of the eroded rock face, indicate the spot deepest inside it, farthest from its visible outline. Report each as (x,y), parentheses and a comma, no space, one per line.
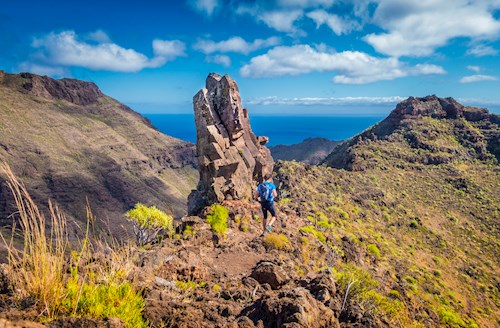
(231,158)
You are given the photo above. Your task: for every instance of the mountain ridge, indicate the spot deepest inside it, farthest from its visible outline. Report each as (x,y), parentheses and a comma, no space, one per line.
(416,123)
(67,140)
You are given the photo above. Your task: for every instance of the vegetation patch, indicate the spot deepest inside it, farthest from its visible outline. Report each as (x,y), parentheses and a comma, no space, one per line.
(217,218)
(275,241)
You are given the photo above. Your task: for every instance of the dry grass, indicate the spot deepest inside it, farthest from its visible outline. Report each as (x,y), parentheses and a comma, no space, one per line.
(90,282)
(38,269)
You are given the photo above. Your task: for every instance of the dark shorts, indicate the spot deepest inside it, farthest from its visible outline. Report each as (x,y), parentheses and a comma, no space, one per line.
(268,206)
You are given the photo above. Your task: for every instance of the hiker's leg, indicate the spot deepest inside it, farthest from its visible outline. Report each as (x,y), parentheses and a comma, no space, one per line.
(264,220)
(272,210)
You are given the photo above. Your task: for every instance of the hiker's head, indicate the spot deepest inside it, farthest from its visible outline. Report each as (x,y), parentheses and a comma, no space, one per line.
(266,177)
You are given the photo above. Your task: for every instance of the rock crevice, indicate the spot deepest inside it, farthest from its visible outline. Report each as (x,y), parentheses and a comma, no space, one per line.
(231,158)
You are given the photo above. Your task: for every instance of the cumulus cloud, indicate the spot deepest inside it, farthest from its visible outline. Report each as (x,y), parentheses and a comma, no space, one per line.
(205,6)
(169,50)
(481,51)
(281,20)
(66,49)
(219,59)
(305,3)
(477,78)
(328,101)
(98,36)
(352,67)
(337,24)
(235,44)
(474,68)
(418,27)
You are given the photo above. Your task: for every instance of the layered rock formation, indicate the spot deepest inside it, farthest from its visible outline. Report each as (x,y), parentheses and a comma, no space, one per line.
(231,158)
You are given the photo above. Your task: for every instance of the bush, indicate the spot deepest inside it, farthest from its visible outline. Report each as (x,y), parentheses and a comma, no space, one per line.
(217,218)
(318,234)
(276,241)
(97,300)
(148,222)
(40,270)
(373,249)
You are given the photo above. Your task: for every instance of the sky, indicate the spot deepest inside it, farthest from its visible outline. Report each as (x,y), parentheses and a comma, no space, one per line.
(289,57)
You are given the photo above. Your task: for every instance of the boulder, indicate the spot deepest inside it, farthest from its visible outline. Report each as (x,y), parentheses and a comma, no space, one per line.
(269,273)
(291,309)
(231,158)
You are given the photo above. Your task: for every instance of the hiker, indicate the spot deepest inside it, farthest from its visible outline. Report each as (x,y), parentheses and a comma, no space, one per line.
(266,192)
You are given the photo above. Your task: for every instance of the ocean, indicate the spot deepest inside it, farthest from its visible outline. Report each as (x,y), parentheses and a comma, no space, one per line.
(284,130)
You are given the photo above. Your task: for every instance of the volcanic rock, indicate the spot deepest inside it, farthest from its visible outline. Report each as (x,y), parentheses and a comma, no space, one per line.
(231,158)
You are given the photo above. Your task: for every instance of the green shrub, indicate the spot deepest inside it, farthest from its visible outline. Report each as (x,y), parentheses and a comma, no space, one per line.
(148,222)
(394,294)
(218,219)
(276,241)
(373,249)
(105,300)
(189,285)
(450,317)
(318,234)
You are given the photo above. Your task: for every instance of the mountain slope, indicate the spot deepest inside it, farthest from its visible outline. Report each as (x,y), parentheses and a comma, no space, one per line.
(310,151)
(428,130)
(68,142)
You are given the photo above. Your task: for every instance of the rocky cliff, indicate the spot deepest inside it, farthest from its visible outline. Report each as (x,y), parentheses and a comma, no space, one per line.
(429,130)
(231,158)
(69,142)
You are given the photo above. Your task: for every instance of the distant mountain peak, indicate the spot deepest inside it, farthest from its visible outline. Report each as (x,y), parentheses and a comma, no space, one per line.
(437,107)
(75,91)
(429,130)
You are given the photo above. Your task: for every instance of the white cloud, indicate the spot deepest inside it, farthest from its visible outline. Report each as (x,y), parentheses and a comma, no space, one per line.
(219,59)
(418,27)
(305,3)
(352,67)
(337,24)
(325,101)
(66,49)
(474,68)
(235,44)
(169,49)
(281,20)
(481,51)
(205,6)
(477,78)
(98,36)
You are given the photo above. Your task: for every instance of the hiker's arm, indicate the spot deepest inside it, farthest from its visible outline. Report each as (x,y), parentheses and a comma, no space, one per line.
(275,193)
(256,194)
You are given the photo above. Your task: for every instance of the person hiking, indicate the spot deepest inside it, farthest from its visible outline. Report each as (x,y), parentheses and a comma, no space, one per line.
(266,192)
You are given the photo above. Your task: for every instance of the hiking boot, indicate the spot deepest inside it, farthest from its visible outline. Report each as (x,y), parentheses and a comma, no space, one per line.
(268,228)
(263,234)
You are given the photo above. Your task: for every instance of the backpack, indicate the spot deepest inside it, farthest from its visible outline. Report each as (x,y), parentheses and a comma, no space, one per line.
(266,192)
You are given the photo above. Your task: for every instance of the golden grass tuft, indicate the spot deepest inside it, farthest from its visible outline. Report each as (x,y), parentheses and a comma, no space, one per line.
(38,269)
(273,240)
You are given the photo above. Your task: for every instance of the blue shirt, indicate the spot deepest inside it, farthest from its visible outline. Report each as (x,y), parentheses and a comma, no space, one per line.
(271,187)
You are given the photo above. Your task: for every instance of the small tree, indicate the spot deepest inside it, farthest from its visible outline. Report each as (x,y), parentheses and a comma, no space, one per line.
(148,222)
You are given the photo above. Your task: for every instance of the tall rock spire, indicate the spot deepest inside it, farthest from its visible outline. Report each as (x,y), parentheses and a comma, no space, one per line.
(231,158)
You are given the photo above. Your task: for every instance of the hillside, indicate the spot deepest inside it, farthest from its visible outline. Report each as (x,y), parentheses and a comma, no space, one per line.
(310,151)
(404,234)
(69,142)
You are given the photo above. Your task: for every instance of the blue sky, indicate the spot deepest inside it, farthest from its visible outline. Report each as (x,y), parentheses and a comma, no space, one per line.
(292,57)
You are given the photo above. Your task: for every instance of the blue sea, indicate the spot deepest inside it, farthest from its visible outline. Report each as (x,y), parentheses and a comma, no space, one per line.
(284,130)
